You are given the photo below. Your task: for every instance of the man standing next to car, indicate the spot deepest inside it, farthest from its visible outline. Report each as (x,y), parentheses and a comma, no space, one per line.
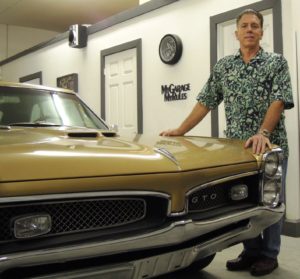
(256,88)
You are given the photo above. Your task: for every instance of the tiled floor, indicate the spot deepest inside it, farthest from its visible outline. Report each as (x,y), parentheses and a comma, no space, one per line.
(289,264)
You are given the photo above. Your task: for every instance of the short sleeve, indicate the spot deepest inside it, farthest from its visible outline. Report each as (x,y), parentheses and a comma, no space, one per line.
(211,94)
(281,85)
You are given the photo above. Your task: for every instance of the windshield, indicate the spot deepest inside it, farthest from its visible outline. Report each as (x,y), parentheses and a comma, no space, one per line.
(31,106)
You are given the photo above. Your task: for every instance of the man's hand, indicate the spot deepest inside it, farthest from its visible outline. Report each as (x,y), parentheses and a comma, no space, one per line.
(171,132)
(259,143)
(198,113)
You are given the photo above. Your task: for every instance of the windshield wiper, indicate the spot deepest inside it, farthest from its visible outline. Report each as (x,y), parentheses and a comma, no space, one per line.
(35,124)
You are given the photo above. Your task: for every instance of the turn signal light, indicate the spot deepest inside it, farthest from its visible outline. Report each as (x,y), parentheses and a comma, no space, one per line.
(239,192)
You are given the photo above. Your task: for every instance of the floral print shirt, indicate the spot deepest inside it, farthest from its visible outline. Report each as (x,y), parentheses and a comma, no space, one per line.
(248,89)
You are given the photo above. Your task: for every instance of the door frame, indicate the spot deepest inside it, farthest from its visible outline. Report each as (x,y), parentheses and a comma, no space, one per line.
(275,5)
(28,78)
(115,49)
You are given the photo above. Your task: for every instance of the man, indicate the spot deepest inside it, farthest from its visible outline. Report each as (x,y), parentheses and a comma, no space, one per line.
(256,88)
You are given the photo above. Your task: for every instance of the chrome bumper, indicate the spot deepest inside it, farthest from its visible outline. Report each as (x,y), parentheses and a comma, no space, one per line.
(178,232)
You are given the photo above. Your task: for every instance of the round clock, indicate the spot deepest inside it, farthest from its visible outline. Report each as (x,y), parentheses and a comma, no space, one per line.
(170,49)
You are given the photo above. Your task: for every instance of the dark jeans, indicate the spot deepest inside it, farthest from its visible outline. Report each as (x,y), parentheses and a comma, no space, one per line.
(268,242)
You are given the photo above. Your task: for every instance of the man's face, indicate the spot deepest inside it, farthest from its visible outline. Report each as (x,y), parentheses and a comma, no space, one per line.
(249,31)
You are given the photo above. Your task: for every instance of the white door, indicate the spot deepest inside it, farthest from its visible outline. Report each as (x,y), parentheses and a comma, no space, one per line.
(121,91)
(228,44)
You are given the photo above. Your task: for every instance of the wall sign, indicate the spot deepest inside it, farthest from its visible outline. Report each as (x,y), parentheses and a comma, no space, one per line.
(174,92)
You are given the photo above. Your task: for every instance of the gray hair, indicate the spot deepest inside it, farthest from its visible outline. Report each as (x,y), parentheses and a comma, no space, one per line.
(253,12)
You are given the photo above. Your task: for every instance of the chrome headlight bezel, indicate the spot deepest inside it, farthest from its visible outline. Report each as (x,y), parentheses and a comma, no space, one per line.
(271,164)
(272,177)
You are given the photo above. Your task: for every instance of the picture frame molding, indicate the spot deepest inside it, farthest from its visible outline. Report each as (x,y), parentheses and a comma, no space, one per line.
(28,78)
(69,81)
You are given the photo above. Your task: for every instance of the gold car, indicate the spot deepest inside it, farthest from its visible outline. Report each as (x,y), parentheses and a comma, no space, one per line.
(79,201)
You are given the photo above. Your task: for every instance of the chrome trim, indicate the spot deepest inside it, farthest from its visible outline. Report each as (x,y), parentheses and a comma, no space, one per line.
(181,213)
(167,154)
(5,127)
(212,183)
(35,86)
(68,196)
(176,233)
(221,180)
(277,176)
(82,195)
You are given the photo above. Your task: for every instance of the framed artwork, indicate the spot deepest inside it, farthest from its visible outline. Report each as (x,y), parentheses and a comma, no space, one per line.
(35,78)
(68,81)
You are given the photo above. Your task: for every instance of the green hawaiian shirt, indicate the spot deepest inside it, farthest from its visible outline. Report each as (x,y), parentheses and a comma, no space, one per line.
(247,91)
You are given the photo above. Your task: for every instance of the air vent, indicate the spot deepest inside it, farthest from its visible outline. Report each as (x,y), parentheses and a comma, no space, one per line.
(91,134)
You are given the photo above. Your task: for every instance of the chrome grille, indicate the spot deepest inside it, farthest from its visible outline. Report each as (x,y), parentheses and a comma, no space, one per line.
(76,216)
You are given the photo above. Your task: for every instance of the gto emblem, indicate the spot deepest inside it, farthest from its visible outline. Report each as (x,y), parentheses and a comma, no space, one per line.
(204,198)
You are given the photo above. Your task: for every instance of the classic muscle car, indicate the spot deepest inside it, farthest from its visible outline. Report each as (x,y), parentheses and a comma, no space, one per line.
(77,200)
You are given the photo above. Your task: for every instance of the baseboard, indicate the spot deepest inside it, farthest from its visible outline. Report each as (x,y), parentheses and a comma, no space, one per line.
(291,228)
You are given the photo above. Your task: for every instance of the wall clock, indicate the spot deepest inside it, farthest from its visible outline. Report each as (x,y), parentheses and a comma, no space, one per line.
(170,49)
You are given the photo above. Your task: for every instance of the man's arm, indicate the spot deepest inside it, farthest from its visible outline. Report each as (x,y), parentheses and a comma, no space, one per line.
(260,141)
(198,113)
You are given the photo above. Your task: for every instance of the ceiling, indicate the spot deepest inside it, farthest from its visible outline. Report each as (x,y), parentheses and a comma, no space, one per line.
(58,15)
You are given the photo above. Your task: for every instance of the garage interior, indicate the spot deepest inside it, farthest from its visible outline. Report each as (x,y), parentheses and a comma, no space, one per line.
(33,32)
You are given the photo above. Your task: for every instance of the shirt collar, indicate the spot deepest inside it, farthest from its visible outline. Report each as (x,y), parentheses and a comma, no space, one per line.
(259,55)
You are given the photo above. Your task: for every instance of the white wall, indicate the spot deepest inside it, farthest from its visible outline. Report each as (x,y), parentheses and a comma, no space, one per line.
(14,39)
(3,42)
(190,20)
(291,29)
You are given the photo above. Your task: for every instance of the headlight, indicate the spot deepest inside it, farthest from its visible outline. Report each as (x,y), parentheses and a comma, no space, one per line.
(271,193)
(271,178)
(271,163)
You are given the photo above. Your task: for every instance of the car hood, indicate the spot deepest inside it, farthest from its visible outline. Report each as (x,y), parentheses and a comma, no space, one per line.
(55,153)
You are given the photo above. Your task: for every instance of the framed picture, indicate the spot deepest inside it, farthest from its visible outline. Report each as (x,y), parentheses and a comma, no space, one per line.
(68,81)
(35,78)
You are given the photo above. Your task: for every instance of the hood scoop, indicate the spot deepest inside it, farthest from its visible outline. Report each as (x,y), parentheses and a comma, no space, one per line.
(83,134)
(109,134)
(90,134)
